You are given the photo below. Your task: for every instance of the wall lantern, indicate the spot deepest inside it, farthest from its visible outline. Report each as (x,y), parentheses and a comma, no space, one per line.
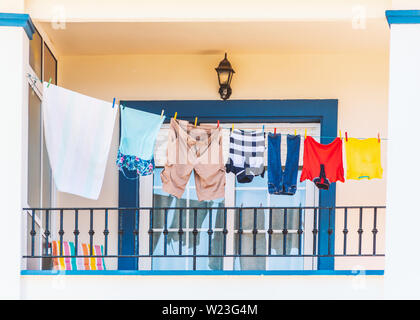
(224,74)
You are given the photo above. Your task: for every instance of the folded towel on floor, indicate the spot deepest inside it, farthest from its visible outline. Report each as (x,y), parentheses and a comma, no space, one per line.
(83,263)
(78,133)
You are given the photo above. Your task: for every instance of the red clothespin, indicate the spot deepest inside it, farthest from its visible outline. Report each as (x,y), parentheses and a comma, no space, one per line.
(347,139)
(218,123)
(275,130)
(379,137)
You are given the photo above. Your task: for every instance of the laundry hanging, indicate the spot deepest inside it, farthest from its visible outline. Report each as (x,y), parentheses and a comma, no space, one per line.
(279,181)
(139,130)
(322,163)
(246,154)
(199,149)
(78,133)
(363,158)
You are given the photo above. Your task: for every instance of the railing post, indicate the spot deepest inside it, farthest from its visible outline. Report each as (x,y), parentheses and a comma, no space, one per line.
(254,234)
(210,231)
(76,232)
(33,233)
(136,232)
(360,230)
(228,238)
(61,233)
(285,231)
(106,233)
(151,232)
(165,233)
(195,232)
(91,232)
(240,231)
(315,232)
(375,230)
(180,233)
(47,231)
(345,232)
(270,230)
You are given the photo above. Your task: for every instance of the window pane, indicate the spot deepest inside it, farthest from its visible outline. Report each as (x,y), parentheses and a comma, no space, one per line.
(34,150)
(209,217)
(50,66)
(255,194)
(46,185)
(35,54)
(46,177)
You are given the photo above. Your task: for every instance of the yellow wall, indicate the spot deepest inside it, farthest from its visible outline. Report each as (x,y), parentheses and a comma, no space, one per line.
(358,81)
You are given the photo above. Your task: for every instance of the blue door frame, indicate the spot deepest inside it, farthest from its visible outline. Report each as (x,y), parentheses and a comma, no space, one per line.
(323,111)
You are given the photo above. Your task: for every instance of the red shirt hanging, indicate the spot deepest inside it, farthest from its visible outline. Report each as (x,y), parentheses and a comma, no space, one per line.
(322,163)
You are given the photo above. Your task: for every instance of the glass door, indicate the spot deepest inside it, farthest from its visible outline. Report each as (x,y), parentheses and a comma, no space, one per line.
(39,191)
(255,194)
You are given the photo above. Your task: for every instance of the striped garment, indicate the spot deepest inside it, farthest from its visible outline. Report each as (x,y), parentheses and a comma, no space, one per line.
(246,155)
(83,263)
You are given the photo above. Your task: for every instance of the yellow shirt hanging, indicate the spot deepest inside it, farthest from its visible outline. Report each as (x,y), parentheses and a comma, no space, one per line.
(363,159)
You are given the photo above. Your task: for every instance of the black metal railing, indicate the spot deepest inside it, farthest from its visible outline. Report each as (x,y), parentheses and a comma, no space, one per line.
(332,232)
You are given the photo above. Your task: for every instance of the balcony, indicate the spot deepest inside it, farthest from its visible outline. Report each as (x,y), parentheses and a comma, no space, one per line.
(197,240)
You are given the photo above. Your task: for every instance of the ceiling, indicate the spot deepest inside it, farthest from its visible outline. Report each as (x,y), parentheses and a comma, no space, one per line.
(251,37)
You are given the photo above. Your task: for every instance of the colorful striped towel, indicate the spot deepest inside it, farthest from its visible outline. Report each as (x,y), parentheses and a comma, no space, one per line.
(83,263)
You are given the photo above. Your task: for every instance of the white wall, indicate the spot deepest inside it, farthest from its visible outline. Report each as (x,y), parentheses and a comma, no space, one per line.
(13,92)
(403,260)
(202,287)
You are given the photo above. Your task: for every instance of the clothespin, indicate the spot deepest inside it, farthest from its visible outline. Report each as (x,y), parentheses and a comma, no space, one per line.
(176,113)
(295,132)
(49,82)
(232,126)
(195,123)
(305,133)
(218,123)
(161,114)
(340,134)
(275,131)
(113,103)
(347,138)
(379,137)
(263,128)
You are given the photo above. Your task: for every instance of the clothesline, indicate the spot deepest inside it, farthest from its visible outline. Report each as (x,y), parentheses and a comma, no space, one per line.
(88,147)
(326,137)
(218,124)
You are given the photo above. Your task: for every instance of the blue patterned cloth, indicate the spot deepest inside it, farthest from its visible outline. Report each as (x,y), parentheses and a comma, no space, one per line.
(133,163)
(139,130)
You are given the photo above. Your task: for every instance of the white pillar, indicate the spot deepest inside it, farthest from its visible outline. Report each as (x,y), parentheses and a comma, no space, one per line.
(14,45)
(402,271)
